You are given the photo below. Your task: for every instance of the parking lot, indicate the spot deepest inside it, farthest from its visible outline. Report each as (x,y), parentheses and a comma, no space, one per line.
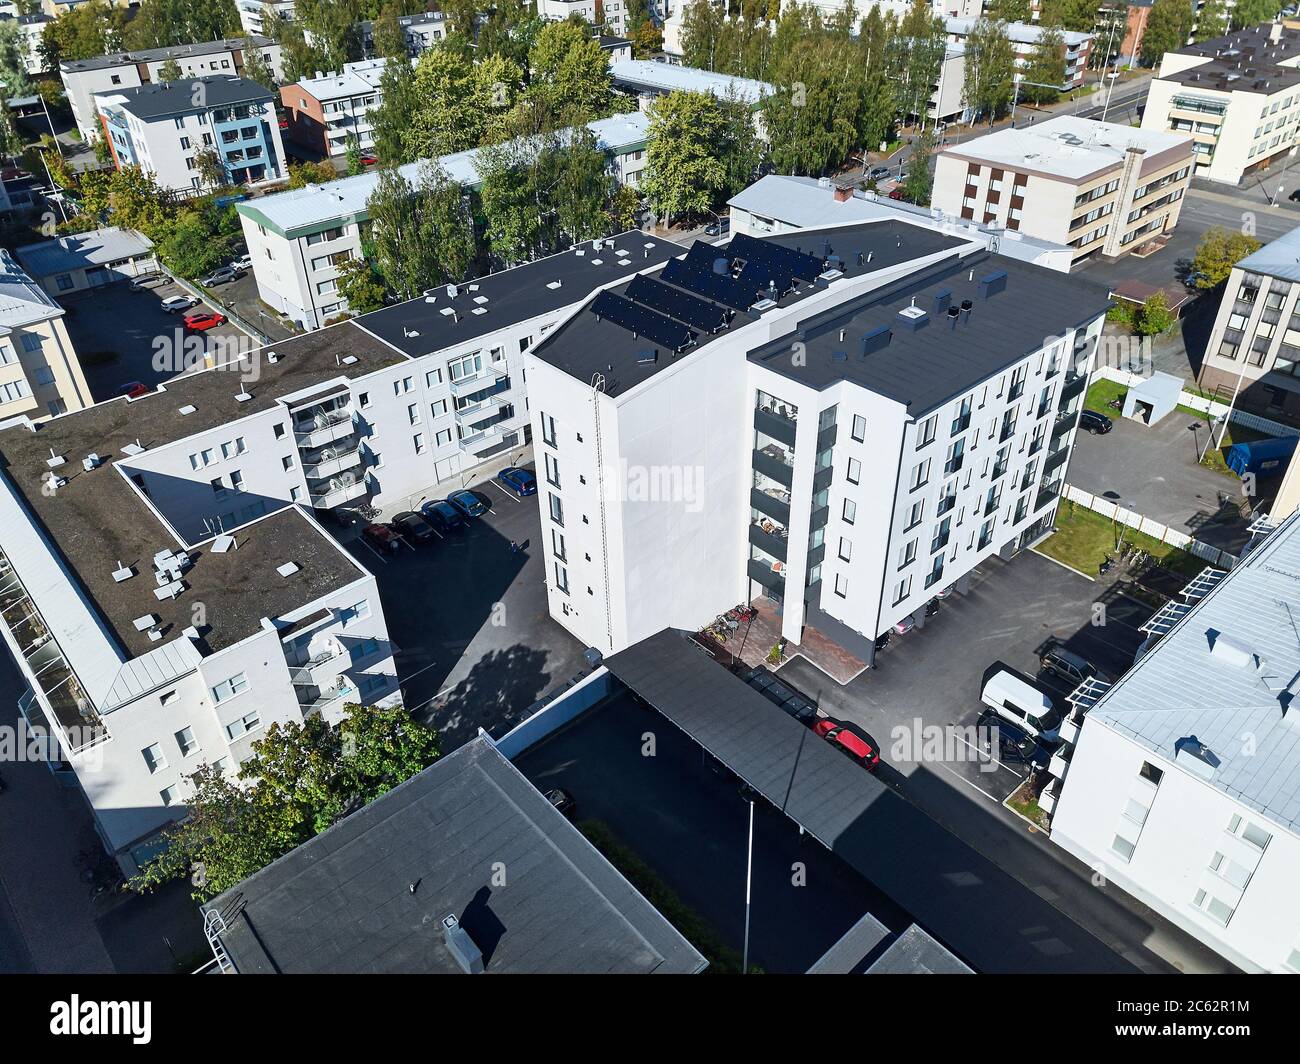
(241,295)
(689,822)
(1154,469)
(932,677)
(122,334)
(476,644)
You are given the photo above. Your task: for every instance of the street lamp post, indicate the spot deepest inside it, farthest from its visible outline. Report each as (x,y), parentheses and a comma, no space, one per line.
(749,878)
(1114,77)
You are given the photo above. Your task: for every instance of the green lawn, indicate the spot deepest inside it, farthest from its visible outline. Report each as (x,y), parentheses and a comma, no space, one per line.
(1084,539)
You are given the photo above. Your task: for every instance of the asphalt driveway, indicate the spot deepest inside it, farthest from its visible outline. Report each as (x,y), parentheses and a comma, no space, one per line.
(1153,469)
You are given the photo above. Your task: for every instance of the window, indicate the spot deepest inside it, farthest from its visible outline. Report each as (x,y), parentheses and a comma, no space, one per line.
(413,413)
(218,487)
(902,589)
(442,437)
(920,474)
(859,430)
(170,794)
(925,433)
(846,549)
(279,431)
(245,724)
(1151,773)
(403,386)
(357,612)
(438,409)
(153,758)
(363,399)
(236,480)
(287,462)
(433,377)
(855,471)
(31,343)
(557,509)
(914,514)
(363,649)
(186,741)
(841,585)
(418,441)
(907,553)
(548,429)
(552,470)
(850,511)
(1123,847)
(227,689)
(561,578)
(558,545)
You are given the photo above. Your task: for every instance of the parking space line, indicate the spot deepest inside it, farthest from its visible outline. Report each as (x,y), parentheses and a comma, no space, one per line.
(373,551)
(968,783)
(984,753)
(493,484)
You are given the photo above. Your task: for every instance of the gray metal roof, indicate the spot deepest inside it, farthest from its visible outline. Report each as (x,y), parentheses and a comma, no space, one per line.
(856,944)
(169,98)
(915,953)
(1278,258)
(80,251)
(478,841)
(22,300)
(647,75)
(155,55)
(1227,669)
(994,921)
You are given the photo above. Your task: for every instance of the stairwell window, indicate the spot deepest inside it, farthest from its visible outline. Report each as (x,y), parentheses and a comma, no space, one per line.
(859,430)
(925,433)
(561,578)
(552,470)
(548,429)
(557,509)
(227,689)
(854,471)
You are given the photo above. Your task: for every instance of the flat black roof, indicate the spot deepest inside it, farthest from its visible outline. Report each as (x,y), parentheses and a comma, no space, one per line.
(161,99)
(342,902)
(97,519)
(586,345)
(1245,60)
(994,922)
(945,357)
(515,295)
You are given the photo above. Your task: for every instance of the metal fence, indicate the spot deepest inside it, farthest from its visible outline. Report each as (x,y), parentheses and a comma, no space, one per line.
(1206,406)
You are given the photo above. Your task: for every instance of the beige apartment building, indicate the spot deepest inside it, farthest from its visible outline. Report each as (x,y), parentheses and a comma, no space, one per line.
(39,372)
(1237,97)
(1101,188)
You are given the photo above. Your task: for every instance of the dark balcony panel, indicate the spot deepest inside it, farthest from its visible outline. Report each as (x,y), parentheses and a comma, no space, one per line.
(766,504)
(960,424)
(946,503)
(934,578)
(1056,459)
(1063,424)
(822,479)
(762,574)
(953,465)
(939,542)
(768,542)
(1047,495)
(991,506)
(774,468)
(774,425)
(998,470)
(819,518)
(1007,432)
(1073,386)
(813,592)
(816,555)
(826,438)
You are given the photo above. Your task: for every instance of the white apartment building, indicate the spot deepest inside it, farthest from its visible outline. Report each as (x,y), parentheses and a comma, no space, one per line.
(31,30)
(1024,38)
(330,112)
(777,203)
(1252,357)
(615,13)
(421,31)
(1180,783)
(40,375)
(843,421)
(164,128)
(1237,97)
(252,13)
(298,239)
(83,78)
(1099,187)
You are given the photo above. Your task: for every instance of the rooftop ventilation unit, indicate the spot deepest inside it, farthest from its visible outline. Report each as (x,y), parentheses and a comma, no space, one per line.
(966,306)
(877,339)
(1196,757)
(913,318)
(953,314)
(287,569)
(463,949)
(91,461)
(942,301)
(54,460)
(993,283)
(244,394)
(186,410)
(1229,651)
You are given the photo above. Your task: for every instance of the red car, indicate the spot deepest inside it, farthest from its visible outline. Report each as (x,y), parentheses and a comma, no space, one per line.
(897,193)
(857,744)
(369,158)
(203,322)
(382,538)
(132,390)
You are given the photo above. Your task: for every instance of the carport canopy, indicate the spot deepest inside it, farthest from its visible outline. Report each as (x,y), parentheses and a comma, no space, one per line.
(993,921)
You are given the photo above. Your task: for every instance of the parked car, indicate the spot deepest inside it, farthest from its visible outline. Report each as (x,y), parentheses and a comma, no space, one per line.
(852,741)
(1097,424)
(132,389)
(175,304)
(149,280)
(1069,666)
(1022,704)
(522,482)
(719,228)
(905,625)
(897,193)
(203,322)
(443,516)
(414,527)
(561,799)
(382,538)
(1014,743)
(878,173)
(221,275)
(369,158)
(243,264)
(468,503)
(1295,196)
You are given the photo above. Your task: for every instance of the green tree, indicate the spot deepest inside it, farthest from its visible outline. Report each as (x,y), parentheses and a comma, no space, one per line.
(1218,252)
(1154,317)
(395,115)
(211,169)
(170,71)
(624,209)
(85,32)
(420,236)
(990,70)
(683,174)
(924,39)
(13,62)
(389,37)
(257,67)
(812,119)
(456,100)
(702,26)
(188,247)
(361,286)
(303,174)
(1253,12)
(1010,10)
(162,23)
(1211,21)
(1168,27)
(1045,66)
(566,62)
(352,154)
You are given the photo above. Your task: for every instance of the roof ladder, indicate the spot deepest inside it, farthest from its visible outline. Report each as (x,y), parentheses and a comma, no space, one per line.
(214,926)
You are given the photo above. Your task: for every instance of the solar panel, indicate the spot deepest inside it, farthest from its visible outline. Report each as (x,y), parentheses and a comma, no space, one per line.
(706,316)
(642,321)
(756,272)
(782,259)
(721,288)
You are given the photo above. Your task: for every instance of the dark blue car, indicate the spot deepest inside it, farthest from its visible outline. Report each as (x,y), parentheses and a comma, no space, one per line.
(521,481)
(443,516)
(468,503)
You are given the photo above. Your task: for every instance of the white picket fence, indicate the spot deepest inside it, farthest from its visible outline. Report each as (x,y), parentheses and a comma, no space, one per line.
(1147,526)
(1205,406)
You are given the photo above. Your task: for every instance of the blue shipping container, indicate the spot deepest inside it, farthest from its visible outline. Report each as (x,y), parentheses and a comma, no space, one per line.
(1262,457)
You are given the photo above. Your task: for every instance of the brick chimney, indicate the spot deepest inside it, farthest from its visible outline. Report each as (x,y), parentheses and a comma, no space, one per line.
(843,193)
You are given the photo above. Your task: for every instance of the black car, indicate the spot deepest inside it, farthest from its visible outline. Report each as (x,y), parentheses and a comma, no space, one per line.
(561,799)
(1015,745)
(443,516)
(1295,196)
(414,527)
(1097,424)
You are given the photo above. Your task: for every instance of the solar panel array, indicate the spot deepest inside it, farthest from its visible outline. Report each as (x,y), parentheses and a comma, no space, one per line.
(641,321)
(699,313)
(782,259)
(721,288)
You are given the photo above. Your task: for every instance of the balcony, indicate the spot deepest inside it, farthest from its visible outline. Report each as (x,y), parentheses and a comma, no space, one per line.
(312,673)
(822,478)
(934,577)
(985,539)
(774,461)
(1008,430)
(1060,763)
(339,493)
(1047,800)
(771,422)
(960,424)
(488,377)
(480,412)
(999,468)
(954,464)
(1063,424)
(1073,385)
(826,438)
(818,518)
(1047,495)
(332,461)
(775,505)
(940,541)
(770,538)
(991,505)
(762,573)
(946,503)
(313,700)
(1056,459)
(323,429)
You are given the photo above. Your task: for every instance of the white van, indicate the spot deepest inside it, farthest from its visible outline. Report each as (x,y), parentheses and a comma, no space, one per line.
(1022,703)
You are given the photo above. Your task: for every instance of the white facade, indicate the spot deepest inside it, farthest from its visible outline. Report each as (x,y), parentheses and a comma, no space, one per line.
(659,511)
(83,78)
(252,13)
(298,239)
(1179,785)
(615,13)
